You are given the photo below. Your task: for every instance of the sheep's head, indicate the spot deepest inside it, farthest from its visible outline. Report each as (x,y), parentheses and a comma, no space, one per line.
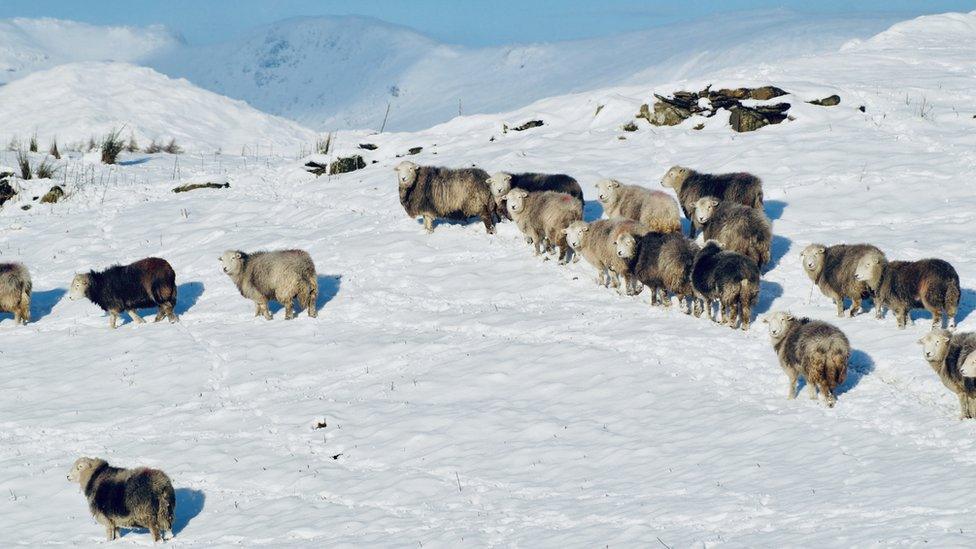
(406,173)
(626,245)
(705,208)
(575,232)
(500,183)
(675,177)
(79,286)
(81,466)
(869,269)
(935,345)
(606,188)
(232,261)
(779,324)
(813,257)
(968,368)
(516,200)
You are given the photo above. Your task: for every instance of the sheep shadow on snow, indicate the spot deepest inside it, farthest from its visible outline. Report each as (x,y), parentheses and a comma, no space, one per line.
(328,288)
(768,292)
(967,303)
(592,210)
(134,161)
(42,303)
(187,295)
(774,209)
(778,250)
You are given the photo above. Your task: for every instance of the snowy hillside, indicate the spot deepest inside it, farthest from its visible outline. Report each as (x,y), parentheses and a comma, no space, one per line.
(457,391)
(75,101)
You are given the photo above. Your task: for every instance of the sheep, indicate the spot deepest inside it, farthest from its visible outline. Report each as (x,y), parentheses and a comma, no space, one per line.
(903,285)
(953,359)
(736,227)
(655,210)
(543,217)
(15,291)
(729,277)
(283,275)
(738,188)
(816,350)
(662,262)
(433,192)
(832,268)
(149,282)
(126,498)
(501,183)
(595,242)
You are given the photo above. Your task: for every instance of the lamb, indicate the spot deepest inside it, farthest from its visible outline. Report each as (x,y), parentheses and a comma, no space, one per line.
(816,350)
(736,227)
(655,210)
(729,277)
(433,192)
(15,291)
(903,285)
(832,268)
(595,242)
(952,358)
(149,282)
(662,262)
(126,498)
(738,188)
(543,217)
(282,275)
(501,183)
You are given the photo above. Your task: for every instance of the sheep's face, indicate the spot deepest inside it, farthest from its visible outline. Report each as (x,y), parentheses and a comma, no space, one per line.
(935,345)
(606,188)
(779,323)
(813,257)
(705,208)
(674,177)
(81,465)
(574,234)
(232,261)
(500,183)
(406,173)
(79,287)
(869,269)
(626,245)
(516,200)
(968,368)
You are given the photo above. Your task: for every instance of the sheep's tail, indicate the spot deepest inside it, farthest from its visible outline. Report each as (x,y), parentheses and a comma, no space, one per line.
(312,296)
(164,292)
(837,366)
(166,511)
(758,200)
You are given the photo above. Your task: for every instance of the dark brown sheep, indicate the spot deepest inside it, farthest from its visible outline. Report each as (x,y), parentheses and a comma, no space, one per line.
(736,227)
(729,277)
(953,359)
(832,268)
(432,192)
(148,282)
(904,285)
(738,188)
(501,183)
(816,350)
(662,262)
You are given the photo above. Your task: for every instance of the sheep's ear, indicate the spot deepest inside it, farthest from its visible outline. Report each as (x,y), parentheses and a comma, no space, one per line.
(765,320)
(238,255)
(565,231)
(921,341)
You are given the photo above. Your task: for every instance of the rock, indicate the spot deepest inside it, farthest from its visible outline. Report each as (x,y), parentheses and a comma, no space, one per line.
(53,196)
(699,126)
(862,108)
(6,192)
(665,113)
(747,119)
(347,164)
(827,101)
(368,146)
(25,207)
(528,125)
(414,150)
(762,93)
(195,186)
(630,126)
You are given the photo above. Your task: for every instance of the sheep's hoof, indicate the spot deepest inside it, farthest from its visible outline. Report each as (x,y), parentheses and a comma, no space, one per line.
(853,312)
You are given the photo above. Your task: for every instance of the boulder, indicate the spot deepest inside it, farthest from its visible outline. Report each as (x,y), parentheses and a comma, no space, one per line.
(6,191)
(195,186)
(826,101)
(53,196)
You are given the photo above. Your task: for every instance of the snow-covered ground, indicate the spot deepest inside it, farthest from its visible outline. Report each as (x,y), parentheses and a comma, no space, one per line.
(468,393)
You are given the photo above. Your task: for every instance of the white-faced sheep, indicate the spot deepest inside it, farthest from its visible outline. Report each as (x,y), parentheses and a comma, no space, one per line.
(149,282)
(738,188)
(126,498)
(832,268)
(433,192)
(596,243)
(726,276)
(655,210)
(736,227)
(283,276)
(501,183)
(662,262)
(953,359)
(15,291)
(816,350)
(904,285)
(543,218)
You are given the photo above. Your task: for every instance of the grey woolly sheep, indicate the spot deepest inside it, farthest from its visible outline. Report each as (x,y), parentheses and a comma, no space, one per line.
(904,285)
(952,358)
(736,227)
(595,242)
(543,217)
(433,192)
(655,210)
(662,262)
(15,291)
(502,182)
(738,188)
(126,498)
(282,275)
(729,277)
(832,268)
(816,350)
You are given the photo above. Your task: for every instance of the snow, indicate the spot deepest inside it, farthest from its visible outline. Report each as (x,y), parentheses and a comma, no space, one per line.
(475,395)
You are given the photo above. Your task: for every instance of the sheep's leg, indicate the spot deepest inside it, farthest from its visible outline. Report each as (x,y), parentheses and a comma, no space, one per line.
(111,532)
(289,307)
(746,316)
(902,316)
(135,317)
(160,313)
(487,219)
(257,308)
(828,395)
(171,313)
(791,388)
(964,410)
(839,302)
(113,319)
(264,310)
(664,297)
(879,309)
(811,390)
(428,223)
(733,315)
(855,306)
(311,299)
(154,530)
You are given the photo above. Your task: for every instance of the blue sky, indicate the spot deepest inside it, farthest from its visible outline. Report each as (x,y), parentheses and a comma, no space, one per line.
(468,22)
